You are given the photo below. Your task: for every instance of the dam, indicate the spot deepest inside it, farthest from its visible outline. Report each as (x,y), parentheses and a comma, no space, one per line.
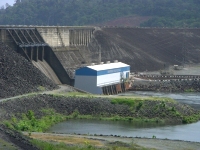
(60,50)
(55,50)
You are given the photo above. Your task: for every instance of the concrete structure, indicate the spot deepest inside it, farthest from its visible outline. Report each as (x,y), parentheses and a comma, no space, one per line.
(55,50)
(103,78)
(63,36)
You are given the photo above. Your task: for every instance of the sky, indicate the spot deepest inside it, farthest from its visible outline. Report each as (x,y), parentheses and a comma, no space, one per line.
(3,2)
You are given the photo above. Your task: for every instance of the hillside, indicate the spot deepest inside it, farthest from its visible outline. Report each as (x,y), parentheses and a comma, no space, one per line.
(18,76)
(131,21)
(147,48)
(165,13)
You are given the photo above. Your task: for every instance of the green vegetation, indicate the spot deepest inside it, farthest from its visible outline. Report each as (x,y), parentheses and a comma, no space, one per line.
(154,137)
(141,109)
(130,100)
(132,119)
(136,103)
(73,94)
(165,13)
(111,146)
(127,101)
(41,88)
(28,121)
(191,119)
(104,116)
(189,90)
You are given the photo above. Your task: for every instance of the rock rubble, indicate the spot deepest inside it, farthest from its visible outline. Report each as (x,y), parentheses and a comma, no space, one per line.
(18,76)
(150,109)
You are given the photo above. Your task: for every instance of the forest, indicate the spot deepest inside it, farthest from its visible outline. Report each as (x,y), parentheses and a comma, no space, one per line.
(162,13)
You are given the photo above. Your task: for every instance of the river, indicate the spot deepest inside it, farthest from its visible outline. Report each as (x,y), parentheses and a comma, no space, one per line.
(188,132)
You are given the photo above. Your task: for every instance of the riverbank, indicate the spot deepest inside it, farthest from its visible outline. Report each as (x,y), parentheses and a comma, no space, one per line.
(110,107)
(103,141)
(158,109)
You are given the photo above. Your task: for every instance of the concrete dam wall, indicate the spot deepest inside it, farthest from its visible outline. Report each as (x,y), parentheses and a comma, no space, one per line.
(66,36)
(57,49)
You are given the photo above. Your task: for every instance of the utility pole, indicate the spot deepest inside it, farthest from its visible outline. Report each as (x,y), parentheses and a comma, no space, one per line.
(183,45)
(99,54)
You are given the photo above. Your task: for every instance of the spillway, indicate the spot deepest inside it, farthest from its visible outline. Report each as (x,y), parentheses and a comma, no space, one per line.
(44,67)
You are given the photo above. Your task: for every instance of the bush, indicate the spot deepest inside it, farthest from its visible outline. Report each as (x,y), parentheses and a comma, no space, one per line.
(28,122)
(126,101)
(190,119)
(139,106)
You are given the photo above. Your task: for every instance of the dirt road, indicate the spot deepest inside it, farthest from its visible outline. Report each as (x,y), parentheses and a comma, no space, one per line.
(62,88)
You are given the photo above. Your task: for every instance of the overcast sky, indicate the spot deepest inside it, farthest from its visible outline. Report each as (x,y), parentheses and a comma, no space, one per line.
(3,2)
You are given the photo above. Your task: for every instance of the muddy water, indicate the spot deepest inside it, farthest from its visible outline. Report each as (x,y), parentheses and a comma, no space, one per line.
(189,132)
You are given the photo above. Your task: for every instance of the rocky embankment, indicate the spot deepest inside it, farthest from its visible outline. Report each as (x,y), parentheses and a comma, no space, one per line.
(12,140)
(18,76)
(147,109)
(167,85)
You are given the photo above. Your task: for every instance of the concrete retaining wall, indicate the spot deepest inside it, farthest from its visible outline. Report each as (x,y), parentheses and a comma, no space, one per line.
(66,36)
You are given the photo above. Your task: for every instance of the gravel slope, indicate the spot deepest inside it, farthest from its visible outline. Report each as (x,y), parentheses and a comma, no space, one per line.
(146,48)
(18,76)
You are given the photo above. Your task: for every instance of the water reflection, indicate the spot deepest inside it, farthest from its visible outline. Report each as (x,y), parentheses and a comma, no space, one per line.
(189,132)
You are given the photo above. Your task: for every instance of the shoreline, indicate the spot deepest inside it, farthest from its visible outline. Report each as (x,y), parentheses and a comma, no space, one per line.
(159,144)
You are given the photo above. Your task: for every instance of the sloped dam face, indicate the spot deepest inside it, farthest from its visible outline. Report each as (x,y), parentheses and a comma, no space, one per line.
(147,48)
(68,48)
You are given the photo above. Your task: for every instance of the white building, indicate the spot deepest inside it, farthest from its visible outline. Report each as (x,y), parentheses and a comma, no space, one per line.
(93,78)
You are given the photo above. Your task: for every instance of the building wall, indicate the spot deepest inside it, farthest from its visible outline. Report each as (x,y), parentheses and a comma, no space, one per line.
(109,79)
(93,84)
(93,78)
(87,83)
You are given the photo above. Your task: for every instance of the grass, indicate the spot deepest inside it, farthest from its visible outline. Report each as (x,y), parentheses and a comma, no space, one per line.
(41,88)
(106,117)
(76,115)
(28,121)
(137,104)
(191,119)
(66,139)
(84,144)
(117,97)
(135,98)
(73,94)
(126,101)
(44,145)
(132,119)
(189,90)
